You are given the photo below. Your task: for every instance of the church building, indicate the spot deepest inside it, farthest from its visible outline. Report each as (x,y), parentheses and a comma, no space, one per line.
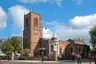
(53,48)
(32,31)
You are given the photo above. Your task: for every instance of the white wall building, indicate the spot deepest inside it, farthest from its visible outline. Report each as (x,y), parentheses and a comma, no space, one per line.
(53,47)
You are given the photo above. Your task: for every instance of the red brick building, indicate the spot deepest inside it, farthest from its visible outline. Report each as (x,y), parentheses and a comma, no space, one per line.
(32,31)
(70,48)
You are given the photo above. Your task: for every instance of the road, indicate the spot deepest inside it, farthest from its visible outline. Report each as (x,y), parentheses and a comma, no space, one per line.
(39,62)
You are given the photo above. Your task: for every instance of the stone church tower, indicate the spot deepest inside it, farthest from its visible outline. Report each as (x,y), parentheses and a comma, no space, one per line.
(32,31)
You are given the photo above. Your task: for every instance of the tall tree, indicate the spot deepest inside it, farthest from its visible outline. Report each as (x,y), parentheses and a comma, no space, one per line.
(17,42)
(12,45)
(7,48)
(93,37)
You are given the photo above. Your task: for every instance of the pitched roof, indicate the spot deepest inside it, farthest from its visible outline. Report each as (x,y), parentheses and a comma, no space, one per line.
(63,45)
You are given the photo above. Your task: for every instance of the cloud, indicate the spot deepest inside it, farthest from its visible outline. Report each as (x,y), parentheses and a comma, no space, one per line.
(58,2)
(83,21)
(47,33)
(3,18)
(65,32)
(17,13)
(78,1)
(78,27)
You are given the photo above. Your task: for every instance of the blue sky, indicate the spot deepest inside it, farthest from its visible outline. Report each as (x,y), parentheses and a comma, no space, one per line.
(66,18)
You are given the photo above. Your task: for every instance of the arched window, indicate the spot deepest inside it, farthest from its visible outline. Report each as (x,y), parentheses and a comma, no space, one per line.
(35,23)
(27,22)
(52,48)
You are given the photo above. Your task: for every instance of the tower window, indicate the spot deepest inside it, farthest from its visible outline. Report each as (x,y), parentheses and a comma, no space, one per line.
(35,23)
(27,21)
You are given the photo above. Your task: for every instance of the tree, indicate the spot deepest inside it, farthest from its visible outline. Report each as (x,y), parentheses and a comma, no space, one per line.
(0,42)
(7,48)
(25,52)
(12,45)
(93,37)
(17,42)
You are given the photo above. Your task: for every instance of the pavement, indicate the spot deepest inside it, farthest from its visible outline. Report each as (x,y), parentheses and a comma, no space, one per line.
(40,62)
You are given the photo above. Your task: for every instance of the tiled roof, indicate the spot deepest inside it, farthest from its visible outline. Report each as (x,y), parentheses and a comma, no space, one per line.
(63,45)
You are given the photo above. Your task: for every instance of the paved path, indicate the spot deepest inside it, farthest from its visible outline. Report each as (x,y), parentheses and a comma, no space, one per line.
(39,62)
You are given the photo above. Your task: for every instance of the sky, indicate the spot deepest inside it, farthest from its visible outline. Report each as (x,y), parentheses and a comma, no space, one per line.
(65,18)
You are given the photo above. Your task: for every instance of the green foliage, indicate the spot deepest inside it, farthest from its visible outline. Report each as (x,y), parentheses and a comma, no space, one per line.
(2,57)
(17,43)
(13,44)
(25,52)
(7,47)
(93,37)
(93,52)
